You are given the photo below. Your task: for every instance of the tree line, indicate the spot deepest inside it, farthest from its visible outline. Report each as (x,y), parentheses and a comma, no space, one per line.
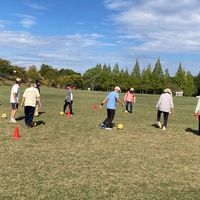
(151,80)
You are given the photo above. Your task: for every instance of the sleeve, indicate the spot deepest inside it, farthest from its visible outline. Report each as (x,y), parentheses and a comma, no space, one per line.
(172,103)
(24,95)
(15,89)
(125,97)
(198,106)
(159,101)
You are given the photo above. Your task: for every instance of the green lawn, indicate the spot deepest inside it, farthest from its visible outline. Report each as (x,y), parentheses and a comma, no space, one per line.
(72,158)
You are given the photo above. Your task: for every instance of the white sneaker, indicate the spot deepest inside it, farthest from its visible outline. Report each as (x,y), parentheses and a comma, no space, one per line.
(12,120)
(108,128)
(159,124)
(164,128)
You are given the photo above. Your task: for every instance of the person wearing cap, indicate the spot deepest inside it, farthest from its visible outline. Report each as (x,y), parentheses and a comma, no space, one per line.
(38,103)
(14,99)
(164,105)
(30,96)
(68,100)
(111,99)
(129,99)
(197,112)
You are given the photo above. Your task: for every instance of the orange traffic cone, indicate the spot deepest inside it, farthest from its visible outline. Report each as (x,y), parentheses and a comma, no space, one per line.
(16,133)
(68,114)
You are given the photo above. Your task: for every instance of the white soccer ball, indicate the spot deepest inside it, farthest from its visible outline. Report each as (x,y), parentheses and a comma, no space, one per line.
(4,116)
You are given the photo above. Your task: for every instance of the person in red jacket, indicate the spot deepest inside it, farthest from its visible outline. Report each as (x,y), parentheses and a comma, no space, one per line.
(129,99)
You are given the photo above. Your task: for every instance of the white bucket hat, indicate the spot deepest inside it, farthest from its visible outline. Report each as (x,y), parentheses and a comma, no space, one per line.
(118,88)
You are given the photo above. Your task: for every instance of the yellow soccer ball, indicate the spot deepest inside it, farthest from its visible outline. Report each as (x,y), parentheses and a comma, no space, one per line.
(61,113)
(125,111)
(120,126)
(4,116)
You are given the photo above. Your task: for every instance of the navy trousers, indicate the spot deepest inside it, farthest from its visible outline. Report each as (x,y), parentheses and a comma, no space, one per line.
(29,114)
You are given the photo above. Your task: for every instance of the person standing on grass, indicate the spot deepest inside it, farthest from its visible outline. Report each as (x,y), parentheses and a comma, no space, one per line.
(197,112)
(14,99)
(38,103)
(68,100)
(129,99)
(164,105)
(111,99)
(30,96)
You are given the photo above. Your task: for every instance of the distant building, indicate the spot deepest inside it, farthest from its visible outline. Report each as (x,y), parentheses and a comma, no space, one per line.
(179,93)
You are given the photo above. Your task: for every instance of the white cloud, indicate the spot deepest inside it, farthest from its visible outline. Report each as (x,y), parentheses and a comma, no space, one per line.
(73,50)
(162,25)
(3,23)
(27,21)
(36,6)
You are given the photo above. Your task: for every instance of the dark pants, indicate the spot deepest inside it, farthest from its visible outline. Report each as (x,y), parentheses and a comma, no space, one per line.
(110,116)
(165,117)
(29,114)
(129,106)
(70,107)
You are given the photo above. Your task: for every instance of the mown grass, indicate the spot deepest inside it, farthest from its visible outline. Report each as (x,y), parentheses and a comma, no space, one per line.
(72,158)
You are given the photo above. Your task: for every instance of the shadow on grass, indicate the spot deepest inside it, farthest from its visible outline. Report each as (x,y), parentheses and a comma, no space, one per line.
(40,113)
(38,123)
(195,132)
(154,125)
(20,118)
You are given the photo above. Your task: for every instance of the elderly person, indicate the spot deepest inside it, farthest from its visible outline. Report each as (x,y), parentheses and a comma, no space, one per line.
(111,99)
(164,105)
(14,99)
(129,99)
(197,112)
(30,96)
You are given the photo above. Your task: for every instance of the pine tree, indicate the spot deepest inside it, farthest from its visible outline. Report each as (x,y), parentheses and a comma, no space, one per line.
(180,77)
(135,77)
(146,79)
(189,89)
(157,78)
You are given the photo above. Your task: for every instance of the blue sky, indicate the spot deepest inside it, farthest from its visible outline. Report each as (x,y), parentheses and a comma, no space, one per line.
(78,34)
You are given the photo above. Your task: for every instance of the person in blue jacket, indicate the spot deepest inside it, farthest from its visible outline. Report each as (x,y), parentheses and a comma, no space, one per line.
(111,99)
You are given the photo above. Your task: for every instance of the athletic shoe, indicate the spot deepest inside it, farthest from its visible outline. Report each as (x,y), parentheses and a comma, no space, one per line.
(12,120)
(108,129)
(158,124)
(164,128)
(102,126)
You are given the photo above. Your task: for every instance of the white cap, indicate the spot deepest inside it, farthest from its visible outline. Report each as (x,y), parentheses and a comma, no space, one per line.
(132,89)
(118,88)
(18,79)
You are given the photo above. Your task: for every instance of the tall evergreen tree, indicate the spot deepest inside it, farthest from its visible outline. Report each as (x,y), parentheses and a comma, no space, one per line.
(157,78)
(189,89)
(146,79)
(180,77)
(166,78)
(135,77)
(197,84)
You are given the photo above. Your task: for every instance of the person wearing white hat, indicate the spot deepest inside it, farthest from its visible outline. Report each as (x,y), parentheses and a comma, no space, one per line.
(14,99)
(30,96)
(197,112)
(164,105)
(129,99)
(111,99)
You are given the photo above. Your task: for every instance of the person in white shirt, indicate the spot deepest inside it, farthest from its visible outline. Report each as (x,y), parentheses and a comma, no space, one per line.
(30,96)
(14,99)
(197,112)
(164,105)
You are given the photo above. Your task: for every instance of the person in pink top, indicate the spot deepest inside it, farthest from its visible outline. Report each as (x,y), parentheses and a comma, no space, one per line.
(129,99)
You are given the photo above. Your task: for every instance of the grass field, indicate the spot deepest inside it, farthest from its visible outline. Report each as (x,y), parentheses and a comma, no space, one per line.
(72,158)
